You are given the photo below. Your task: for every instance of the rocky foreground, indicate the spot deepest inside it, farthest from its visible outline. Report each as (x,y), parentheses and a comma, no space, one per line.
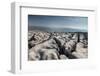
(57,45)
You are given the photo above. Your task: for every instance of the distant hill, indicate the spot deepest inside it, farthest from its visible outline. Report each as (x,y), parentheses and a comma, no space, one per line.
(51,29)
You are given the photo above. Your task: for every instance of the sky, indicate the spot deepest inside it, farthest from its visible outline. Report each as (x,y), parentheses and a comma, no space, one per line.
(68,22)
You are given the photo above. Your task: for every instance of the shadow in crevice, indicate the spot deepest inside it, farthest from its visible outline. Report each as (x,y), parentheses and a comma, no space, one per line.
(62,50)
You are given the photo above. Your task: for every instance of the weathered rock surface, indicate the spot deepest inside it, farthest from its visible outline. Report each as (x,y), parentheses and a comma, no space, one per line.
(63,57)
(57,45)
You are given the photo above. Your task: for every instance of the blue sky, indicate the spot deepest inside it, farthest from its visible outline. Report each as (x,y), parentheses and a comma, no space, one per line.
(69,22)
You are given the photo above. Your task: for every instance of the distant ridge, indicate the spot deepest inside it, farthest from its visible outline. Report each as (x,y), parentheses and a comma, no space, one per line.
(52,29)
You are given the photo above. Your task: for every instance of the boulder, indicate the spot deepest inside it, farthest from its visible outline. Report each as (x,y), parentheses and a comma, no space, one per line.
(79,55)
(70,45)
(63,56)
(49,54)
